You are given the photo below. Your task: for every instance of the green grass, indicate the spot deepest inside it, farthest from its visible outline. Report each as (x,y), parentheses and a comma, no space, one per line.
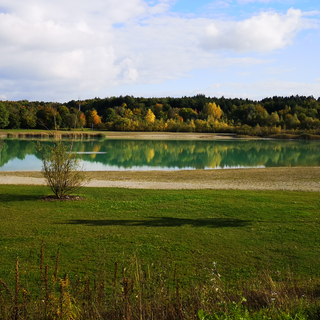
(239,230)
(174,245)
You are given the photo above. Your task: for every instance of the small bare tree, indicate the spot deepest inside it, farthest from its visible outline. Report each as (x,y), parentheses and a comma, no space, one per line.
(61,168)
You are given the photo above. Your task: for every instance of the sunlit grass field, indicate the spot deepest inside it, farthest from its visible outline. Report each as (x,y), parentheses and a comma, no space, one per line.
(238,230)
(178,254)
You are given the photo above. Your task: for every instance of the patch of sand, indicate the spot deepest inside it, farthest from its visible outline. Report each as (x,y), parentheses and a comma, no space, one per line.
(298,178)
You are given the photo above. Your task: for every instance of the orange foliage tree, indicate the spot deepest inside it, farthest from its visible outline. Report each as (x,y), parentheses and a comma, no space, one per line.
(92,118)
(83,120)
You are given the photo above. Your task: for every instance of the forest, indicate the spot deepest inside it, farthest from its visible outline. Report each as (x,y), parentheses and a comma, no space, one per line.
(276,115)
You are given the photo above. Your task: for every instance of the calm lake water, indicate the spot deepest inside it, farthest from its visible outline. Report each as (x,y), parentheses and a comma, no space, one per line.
(21,155)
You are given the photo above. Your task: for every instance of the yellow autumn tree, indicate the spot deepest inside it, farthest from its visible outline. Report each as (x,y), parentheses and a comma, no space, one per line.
(150,117)
(211,109)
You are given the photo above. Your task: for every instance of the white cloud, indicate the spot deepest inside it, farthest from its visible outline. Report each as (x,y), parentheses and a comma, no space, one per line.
(311,13)
(107,11)
(265,32)
(63,49)
(169,47)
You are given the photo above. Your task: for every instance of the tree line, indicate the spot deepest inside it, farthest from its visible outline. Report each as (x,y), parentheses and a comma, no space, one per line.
(198,113)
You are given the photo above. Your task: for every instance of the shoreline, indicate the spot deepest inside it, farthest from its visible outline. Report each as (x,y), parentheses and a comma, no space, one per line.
(132,135)
(143,135)
(286,178)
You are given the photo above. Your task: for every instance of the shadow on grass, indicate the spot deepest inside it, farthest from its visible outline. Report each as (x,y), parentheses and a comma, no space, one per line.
(11,197)
(166,222)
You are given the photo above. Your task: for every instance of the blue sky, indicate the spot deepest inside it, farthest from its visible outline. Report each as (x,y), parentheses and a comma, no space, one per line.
(79,49)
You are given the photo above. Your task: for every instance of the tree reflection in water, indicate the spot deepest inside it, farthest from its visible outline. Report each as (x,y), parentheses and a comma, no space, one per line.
(155,154)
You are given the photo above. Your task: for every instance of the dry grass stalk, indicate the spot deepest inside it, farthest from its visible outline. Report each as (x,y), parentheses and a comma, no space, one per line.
(7,289)
(46,282)
(16,296)
(159,294)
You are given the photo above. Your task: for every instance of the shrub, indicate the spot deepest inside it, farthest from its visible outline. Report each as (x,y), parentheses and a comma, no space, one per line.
(62,168)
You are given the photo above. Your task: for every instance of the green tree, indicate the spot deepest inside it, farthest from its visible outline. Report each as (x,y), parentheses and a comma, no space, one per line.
(48,117)
(63,111)
(70,120)
(158,109)
(66,120)
(292,121)
(110,115)
(4,116)
(28,118)
(14,121)
(173,113)
(273,119)
(187,114)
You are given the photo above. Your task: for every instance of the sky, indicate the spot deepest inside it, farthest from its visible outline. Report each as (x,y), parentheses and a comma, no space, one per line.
(79,49)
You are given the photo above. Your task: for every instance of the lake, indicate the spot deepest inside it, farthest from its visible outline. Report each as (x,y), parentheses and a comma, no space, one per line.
(21,155)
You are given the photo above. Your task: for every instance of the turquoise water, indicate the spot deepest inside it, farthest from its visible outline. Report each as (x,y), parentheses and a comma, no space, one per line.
(21,155)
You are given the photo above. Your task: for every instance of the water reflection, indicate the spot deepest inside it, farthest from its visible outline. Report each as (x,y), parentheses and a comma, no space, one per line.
(155,154)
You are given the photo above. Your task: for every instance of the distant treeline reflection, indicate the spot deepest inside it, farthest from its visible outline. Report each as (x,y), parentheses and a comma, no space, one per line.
(182,154)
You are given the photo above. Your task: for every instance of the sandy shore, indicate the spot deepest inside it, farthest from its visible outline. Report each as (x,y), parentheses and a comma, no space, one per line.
(298,178)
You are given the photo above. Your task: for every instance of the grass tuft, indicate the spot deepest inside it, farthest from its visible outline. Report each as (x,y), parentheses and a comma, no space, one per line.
(145,292)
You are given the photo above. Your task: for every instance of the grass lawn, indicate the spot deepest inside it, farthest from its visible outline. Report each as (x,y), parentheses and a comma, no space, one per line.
(239,230)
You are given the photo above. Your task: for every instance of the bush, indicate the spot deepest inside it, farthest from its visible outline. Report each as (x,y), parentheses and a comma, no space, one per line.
(62,168)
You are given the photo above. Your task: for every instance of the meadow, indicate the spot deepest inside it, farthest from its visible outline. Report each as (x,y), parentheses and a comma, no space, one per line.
(182,239)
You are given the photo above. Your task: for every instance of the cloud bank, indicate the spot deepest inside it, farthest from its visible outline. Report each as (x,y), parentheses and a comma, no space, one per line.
(66,49)
(265,32)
